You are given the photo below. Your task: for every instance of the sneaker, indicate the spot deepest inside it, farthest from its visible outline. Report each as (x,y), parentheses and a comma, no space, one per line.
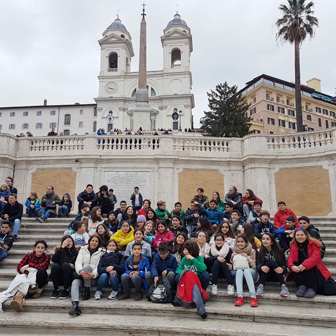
(284,291)
(239,301)
(301,291)
(214,290)
(254,302)
(113,295)
(230,290)
(55,294)
(260,290)
(33,287)
(98,295)
(310,293)
(64,295)
(138,296)
(40,219)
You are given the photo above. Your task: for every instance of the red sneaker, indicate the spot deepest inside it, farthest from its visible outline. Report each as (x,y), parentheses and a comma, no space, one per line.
(239,301)
(254,302)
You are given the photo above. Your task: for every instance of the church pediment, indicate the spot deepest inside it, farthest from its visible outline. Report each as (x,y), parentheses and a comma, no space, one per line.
(113,38)
(175,33)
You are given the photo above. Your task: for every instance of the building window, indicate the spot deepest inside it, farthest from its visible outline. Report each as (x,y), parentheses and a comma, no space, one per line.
(292,125)
(310,129)
(80,125)
(113,62)
(309,118)
(176,58)
(256,131)
(325,112)
(281,110)
(291,113)
(271,121)
(80,111)
(39,113)
(67,119)
(333,124)
(11,126)
(94,126)
(253,111)
(66,132)
(25,126)
(282,123)
(52,125)
(52,113)
(95,112)
(175,125)
(12,114)
(25,113)
(318,109)
(320,122)
(153,93)
(271,132)
(327,124)
(332,114)
(270,107)
(38,125)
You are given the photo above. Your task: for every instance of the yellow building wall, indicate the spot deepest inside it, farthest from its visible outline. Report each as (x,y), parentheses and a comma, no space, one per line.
(63,181)
(191,179)
(306,191)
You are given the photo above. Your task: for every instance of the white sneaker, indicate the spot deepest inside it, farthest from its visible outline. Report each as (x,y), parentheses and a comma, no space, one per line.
(230,290)
(214,290)
(98,295)
(113,295)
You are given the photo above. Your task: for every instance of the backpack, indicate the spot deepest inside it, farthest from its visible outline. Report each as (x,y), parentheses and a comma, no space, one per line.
(162,293)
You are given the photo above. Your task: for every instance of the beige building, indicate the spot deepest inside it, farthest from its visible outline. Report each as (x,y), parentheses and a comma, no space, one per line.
(273,111)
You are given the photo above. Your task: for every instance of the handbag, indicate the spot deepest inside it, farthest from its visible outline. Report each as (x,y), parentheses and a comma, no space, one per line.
(49,205)
(240,262)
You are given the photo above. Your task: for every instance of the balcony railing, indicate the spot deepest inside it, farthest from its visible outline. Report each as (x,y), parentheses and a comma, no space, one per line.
(309,109)
(270,98)
(290,104)
(280,101)
(113,69)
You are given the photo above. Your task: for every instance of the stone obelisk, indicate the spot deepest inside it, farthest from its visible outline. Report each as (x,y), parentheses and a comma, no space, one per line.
(142,110)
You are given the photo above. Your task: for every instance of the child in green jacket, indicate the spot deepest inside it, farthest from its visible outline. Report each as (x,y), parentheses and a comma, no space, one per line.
(192,261)
(161,212)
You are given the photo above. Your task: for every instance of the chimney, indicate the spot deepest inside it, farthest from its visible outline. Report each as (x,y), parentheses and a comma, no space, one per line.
(45,102)
(314,83)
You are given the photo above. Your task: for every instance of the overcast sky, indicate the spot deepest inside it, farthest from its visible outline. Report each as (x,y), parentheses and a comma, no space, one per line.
(49,49)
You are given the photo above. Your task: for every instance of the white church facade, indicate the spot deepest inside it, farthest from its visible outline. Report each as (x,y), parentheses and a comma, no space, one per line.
(169,90)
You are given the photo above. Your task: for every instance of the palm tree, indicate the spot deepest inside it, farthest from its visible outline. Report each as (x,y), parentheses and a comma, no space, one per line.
(296,24)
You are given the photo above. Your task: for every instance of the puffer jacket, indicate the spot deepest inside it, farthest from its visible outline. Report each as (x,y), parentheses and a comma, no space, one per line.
(5,194)
(214,216)
(85,258)
(124,238)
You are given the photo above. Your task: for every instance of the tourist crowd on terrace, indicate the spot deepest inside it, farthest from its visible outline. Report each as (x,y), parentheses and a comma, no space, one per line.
(156,250)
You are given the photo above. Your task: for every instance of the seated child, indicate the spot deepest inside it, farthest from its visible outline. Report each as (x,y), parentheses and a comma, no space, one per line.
(229,236)
(94,220)
(104,234)
(177,226)
(110,268)
(124,236)
(271,264)
(136,267)
(139,236)
(149,235)
(162,234)
(214,215)
(205,226)
(6,240)
(141,220)
(254,216)
(176,246)
(112,222)
(264,225)
(161,212)
(80,236)
(33,205)
(178,208)
(65,206)
(164,265)
(286,232)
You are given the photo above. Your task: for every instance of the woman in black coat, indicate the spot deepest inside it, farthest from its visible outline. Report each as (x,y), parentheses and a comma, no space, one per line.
(64,267)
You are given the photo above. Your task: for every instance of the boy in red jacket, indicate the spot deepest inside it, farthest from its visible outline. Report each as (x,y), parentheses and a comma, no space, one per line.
(281,215)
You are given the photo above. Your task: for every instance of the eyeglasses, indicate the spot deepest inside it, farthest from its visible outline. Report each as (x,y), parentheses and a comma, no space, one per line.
(163,253)
(300,228)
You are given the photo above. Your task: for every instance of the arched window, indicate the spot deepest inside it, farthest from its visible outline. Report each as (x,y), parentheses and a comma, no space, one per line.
(153,93)
(176,58)
(67,119)
(95,127)
(113,62)
(134,93)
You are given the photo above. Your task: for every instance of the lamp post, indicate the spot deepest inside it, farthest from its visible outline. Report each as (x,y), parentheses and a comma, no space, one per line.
(180,121)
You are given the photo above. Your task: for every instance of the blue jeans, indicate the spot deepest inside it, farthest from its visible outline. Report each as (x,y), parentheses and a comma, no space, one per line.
(251,276)
(3,254)
(106,280)
(204,279)
(190,228)
(246,209)
(63,209)
(16,226)
(2,205)
(33,212)
(46,214)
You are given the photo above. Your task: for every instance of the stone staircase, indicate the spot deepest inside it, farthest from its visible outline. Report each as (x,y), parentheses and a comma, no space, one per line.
(274,316)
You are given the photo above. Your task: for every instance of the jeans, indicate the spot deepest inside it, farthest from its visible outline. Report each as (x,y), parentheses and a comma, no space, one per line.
(61,275)
(46,214)
(63,209)
(191,228)
(41,278)
(251,276)
(106,280)
(221,268)
(3,254)
(79,282)
(204,279)
(33,212)
(246,209)
(127,282)
(271,274)
(16,226)
(2,205)
(170,276)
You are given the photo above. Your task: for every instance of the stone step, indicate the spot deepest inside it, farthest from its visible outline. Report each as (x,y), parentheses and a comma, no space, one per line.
(45,226)
(28,231)
(37,324)
(218,310)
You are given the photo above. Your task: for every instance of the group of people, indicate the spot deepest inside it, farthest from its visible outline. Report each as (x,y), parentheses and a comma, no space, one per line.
(159,252)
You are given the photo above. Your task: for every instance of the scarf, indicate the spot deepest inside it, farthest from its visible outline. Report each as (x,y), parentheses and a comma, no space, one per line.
(247,250)
(220,253)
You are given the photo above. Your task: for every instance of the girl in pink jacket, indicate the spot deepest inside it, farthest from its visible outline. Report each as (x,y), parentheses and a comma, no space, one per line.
(162,234)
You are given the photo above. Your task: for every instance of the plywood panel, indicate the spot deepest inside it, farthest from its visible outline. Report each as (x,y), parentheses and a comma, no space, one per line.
(306,191)
(63,181)
(191,179)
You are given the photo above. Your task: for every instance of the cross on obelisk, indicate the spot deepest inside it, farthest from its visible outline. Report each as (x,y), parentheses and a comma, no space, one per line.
(176,8)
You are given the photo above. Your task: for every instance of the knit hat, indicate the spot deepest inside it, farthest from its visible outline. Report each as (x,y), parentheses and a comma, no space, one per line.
(141,218)
(112,212)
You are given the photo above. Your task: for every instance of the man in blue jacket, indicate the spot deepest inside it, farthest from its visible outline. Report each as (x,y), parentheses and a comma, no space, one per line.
(195,211)
(214,215)
(164,265)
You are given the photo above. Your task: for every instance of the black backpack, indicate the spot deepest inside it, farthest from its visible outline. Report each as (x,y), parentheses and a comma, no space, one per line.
(162,293)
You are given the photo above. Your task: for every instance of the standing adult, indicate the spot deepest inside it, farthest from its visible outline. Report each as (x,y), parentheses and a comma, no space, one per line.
(48,204)
(9,182)
(113,197)
(52,132)
(136,199)
(104,201)
(87,197)
(235,198)
(12,212)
